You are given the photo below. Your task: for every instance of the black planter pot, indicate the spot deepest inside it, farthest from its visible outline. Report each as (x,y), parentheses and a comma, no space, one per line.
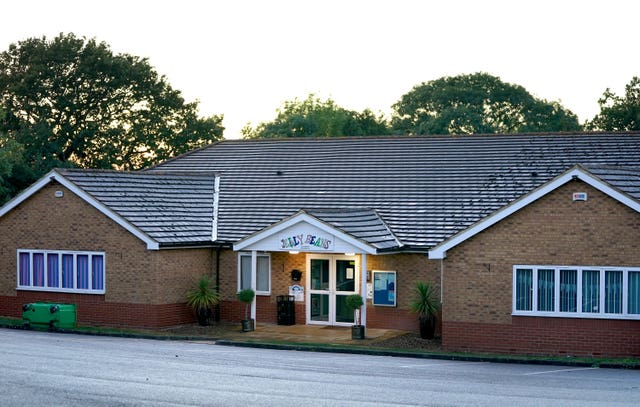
(357,331)
(204,316)
(248,325)
(427,327)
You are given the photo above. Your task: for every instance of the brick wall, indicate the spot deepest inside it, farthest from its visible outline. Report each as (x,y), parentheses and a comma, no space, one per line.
(142,287)
(551,231)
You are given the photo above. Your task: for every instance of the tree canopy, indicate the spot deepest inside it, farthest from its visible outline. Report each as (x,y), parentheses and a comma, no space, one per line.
(477,103)
(313,117)
(619,113)
(72,102)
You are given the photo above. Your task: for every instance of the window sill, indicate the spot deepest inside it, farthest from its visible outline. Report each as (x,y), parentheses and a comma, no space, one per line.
(576,315)
(61,290)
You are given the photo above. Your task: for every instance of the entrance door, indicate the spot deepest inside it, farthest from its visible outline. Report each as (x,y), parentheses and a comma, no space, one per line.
(330,279)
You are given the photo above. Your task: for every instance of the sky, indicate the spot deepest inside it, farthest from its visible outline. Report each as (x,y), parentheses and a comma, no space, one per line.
(244,58)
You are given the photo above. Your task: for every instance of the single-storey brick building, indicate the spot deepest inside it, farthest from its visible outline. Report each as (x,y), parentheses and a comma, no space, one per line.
(532,241)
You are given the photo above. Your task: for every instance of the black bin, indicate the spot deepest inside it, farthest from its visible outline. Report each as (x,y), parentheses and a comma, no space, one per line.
(286,310)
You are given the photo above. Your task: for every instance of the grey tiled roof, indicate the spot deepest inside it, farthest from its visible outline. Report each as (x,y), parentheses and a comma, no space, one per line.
(424,188)
(363,224)
(172,209)
(626,179)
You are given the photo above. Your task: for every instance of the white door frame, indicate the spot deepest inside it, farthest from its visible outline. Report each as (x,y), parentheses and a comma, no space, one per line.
(332,286)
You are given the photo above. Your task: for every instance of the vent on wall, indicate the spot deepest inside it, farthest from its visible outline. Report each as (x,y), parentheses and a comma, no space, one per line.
(579,196)
(59,194)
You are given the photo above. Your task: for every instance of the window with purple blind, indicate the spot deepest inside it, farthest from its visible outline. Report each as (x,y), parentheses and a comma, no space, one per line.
(46,270)
(83,271)
(24,268)
(53,276)
(38,269)
(67,271)
(97,276)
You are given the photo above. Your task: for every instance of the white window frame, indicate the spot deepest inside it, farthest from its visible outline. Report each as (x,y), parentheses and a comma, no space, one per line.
(248,254)
(601,314)
(60,289)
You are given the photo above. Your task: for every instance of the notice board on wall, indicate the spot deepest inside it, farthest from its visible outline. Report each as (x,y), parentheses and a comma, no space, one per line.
(384,288)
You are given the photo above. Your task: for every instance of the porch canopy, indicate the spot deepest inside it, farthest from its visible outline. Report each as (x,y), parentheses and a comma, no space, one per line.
(358,231)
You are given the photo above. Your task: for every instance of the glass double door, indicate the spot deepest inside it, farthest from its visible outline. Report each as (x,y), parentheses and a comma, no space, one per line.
(330,279)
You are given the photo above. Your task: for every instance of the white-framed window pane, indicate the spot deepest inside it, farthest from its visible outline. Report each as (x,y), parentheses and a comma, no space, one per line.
(82,268)
(53,275)
(67,271)
(262,277)
(568,290)
(546,289)
(97,272)
(613,292)
(524,289)
(591,291)
(38,269)
(245,272)
(24,269)
(633,292)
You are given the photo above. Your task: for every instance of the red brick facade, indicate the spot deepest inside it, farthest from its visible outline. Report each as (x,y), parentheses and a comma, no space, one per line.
(554,230)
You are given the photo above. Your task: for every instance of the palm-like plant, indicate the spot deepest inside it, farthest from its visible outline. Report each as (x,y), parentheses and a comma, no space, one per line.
(202,298)
(426,305)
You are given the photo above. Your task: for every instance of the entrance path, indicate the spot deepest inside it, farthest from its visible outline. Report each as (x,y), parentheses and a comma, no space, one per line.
(316,334)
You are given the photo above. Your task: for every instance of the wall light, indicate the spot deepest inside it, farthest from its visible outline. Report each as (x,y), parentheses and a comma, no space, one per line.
(293,252)
(349,254)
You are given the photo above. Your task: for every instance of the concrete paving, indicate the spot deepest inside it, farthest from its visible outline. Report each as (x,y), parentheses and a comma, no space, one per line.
(312,334)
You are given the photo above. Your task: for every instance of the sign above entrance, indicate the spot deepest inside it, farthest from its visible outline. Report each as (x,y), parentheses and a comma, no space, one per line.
(307,242)
(303,233)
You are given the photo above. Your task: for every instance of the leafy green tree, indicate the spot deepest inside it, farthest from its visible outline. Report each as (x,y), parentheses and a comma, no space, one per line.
(477,103)
(619,113)
(72,102)
(313,117)
(12,166)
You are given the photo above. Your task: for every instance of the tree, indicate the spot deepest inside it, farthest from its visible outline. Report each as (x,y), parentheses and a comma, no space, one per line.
(619,113)
(477,103)
(72,102)
(313,117)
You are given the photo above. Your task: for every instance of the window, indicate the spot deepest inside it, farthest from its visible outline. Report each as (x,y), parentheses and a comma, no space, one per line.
(263,273)
(582,292)
(44,270)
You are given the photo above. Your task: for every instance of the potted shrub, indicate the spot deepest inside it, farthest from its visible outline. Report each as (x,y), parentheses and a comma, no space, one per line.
(247,295)
(425,304)
(354,302)
(202,298)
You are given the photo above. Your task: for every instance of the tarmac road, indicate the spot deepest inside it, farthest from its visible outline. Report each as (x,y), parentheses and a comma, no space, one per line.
(38,368)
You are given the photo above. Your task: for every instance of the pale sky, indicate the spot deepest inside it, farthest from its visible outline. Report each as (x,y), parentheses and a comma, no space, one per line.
(243,59)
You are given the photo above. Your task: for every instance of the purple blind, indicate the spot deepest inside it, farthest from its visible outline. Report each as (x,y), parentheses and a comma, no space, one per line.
(25,269)
(83,272)
(67,271)
(53,277)
(97,272)
(38,269)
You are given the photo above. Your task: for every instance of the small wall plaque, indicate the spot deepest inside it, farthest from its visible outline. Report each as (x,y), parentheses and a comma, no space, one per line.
(579,196)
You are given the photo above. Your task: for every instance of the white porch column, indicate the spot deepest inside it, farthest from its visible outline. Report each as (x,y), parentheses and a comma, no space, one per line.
(254,279)
(363,288)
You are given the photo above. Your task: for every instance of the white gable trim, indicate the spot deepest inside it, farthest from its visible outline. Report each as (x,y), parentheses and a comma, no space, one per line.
(249,242)
(54,175)
(577,172)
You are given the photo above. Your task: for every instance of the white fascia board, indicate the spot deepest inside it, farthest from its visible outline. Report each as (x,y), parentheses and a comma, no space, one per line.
(216,204)
(54,175)
(577,172)
(24,195)
(296,219)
